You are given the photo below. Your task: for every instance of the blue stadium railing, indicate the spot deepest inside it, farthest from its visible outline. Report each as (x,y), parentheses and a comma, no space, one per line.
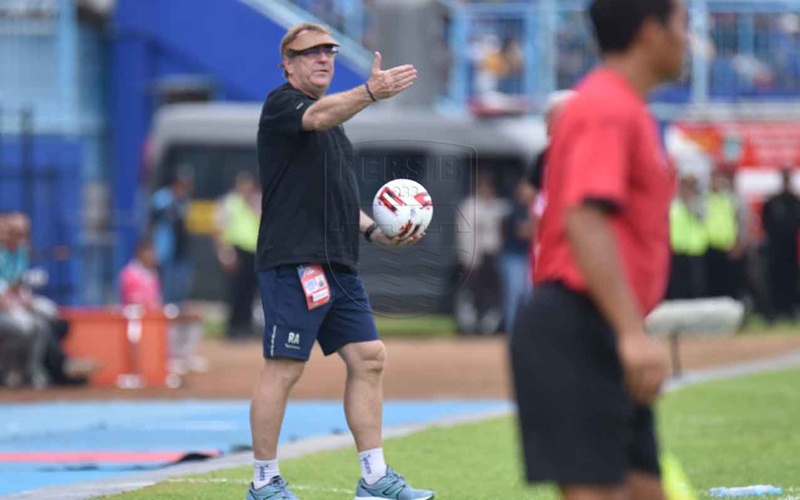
(45,38)
(47,131)
(743,50)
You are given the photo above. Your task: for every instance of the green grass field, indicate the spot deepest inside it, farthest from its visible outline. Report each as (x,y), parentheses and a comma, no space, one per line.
(423,326)
(732,433)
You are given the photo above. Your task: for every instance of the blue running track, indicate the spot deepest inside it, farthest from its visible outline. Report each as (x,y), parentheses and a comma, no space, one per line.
(156,426)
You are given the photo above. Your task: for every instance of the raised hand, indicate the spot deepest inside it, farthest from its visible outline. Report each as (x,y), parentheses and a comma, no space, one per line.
(387,83)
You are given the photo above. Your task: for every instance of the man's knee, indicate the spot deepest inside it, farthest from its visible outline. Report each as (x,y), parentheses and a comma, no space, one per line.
(18,324)
(285,372)
(365,357)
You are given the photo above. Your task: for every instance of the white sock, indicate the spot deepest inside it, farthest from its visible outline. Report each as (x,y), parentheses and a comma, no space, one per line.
(264,471)
(373,465)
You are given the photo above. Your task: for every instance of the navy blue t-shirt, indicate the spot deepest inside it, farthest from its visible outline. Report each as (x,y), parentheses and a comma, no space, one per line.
(310,208)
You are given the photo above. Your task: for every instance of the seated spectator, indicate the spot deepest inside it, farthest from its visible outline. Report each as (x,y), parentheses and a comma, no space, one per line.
(17,332)
(140,285)
(44,331)
(14,259)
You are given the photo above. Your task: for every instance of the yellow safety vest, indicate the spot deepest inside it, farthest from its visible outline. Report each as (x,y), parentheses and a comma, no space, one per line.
(687,234)
(241,229)
(721,224)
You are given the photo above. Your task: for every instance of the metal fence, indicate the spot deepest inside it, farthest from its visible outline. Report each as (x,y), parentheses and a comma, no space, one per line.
(53,142)
(742,50)
(38,44)
(36,178)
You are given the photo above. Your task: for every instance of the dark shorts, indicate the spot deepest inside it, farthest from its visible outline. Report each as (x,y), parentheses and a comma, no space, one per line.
(578,424)
(291,329)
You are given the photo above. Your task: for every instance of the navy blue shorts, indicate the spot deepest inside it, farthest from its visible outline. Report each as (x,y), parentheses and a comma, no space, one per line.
(291,329)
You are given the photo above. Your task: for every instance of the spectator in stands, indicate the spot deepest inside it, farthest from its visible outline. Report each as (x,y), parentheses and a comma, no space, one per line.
(574,42)
(499,69)
(727,236)
(689,242)
(238,216)
(168,209)
(510,64)
(480,240)
(517,230)
(140,285)
(482,47)
(781,221)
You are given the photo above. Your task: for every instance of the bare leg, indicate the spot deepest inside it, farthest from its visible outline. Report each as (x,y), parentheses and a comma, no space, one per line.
(363,394)
(595,492)
(645,486)
(275,382)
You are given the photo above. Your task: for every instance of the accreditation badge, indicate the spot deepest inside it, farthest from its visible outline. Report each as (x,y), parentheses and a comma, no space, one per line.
(315,285)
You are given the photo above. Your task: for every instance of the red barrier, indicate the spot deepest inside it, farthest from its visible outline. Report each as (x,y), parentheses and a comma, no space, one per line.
(131,348)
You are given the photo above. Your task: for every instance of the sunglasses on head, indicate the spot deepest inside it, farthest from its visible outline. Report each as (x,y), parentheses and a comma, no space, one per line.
(328,50)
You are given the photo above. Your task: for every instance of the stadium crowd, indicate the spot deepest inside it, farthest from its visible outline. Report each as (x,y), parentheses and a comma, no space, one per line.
(771,66)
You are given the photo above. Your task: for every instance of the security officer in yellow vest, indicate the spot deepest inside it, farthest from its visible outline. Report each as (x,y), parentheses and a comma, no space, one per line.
(726,237)
(689,241)
(238,215)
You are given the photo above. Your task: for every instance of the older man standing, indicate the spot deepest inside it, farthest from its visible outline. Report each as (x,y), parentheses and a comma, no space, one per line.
(307,256)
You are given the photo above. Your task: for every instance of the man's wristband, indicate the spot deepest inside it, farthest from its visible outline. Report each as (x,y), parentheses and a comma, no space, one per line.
(371,229)
(371,96)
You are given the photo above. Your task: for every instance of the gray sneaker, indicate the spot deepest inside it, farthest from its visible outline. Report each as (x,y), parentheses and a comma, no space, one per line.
(277,489)
(392,486)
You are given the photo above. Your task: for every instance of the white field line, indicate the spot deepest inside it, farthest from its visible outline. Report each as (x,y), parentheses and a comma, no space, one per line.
(787,493)
(245,482)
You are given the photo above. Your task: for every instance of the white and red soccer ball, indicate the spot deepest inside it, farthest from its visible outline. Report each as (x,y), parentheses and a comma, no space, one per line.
(403,208)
